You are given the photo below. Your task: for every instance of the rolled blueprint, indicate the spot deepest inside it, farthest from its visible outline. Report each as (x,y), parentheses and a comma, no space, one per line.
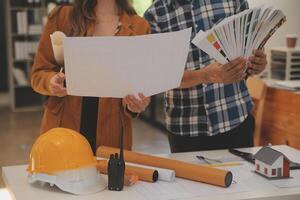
(163,174)
(184,170)
(57,40)
(144,174)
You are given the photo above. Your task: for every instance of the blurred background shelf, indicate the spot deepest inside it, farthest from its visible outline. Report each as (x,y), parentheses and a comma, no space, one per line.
(285,63)
(24,25)
(20,8)
(23,29)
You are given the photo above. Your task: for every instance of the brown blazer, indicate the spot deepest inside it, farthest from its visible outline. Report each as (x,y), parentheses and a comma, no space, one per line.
(66,111)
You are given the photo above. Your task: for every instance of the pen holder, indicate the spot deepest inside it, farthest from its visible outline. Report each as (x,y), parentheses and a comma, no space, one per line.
(291,40)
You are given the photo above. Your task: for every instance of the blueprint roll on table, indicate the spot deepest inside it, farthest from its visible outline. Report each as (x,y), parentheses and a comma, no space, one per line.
(184,170)
(148,175)
(163,174)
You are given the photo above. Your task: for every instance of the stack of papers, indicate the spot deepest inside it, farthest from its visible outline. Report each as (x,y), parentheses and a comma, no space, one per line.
(238,35)
(289,85)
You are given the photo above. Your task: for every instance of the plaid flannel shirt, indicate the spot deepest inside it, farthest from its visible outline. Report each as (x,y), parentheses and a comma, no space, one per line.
(206,109)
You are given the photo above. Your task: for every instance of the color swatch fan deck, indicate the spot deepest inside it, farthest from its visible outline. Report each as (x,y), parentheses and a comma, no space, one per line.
(238,35)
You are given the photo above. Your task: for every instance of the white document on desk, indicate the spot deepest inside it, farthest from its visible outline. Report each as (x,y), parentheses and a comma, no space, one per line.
(293,181)
(118,66)
(244,180)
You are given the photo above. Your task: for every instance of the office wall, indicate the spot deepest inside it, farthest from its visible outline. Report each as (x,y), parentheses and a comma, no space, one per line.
(292,10)
(3,60)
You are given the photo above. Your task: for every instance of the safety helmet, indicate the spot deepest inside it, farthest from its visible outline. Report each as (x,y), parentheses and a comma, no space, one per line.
(64,158)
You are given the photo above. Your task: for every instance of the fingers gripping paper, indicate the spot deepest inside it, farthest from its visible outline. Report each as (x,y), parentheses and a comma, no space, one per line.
(182,169)
(118,66)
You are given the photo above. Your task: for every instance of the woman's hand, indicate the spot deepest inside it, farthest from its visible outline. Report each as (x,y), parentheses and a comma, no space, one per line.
(57,87)
(135,105)
(258,62)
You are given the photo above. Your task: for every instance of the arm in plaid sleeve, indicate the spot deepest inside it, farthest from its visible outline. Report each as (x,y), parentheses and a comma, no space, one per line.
(150,17)
(241,5)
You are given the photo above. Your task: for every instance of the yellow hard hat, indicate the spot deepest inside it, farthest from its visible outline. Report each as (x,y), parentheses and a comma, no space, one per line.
(59,150)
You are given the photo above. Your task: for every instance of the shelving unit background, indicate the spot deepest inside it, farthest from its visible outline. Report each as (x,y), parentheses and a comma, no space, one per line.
(22,97)
(285,63)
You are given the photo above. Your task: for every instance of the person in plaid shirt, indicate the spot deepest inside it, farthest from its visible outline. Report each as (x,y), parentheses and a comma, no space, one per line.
(211,108)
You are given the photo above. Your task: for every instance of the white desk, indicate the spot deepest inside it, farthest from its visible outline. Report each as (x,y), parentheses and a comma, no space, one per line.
(15,178)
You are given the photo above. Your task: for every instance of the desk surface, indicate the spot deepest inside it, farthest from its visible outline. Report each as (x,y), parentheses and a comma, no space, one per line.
(15,178)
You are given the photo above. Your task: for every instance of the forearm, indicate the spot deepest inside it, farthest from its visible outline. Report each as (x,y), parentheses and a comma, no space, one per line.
(192,78)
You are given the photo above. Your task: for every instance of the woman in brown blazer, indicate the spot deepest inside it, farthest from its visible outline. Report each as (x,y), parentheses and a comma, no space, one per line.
(101,120)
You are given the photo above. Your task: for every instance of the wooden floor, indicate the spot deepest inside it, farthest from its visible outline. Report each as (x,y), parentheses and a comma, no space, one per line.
(19,130)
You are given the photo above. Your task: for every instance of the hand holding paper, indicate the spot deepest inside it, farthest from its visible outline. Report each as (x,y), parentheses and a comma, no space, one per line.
(57,85)
(136,105)
(257,63)
(230,72)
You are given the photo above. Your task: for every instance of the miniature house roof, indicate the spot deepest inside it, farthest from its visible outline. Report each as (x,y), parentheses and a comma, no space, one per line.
(268,155)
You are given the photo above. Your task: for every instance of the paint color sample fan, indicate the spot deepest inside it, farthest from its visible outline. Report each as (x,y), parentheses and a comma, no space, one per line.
(238,35)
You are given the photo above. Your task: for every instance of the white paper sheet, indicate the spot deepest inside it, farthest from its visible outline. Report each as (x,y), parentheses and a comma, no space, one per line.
(244,180)
(294,181)
(184,189)
(180,189)
(118,66)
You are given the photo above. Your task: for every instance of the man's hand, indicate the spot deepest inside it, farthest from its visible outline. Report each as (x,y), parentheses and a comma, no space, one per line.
(136,105)
(57,85)
(258,62)
(231,72)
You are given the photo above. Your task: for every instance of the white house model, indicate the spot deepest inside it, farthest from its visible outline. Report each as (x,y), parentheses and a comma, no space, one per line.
(271,163)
